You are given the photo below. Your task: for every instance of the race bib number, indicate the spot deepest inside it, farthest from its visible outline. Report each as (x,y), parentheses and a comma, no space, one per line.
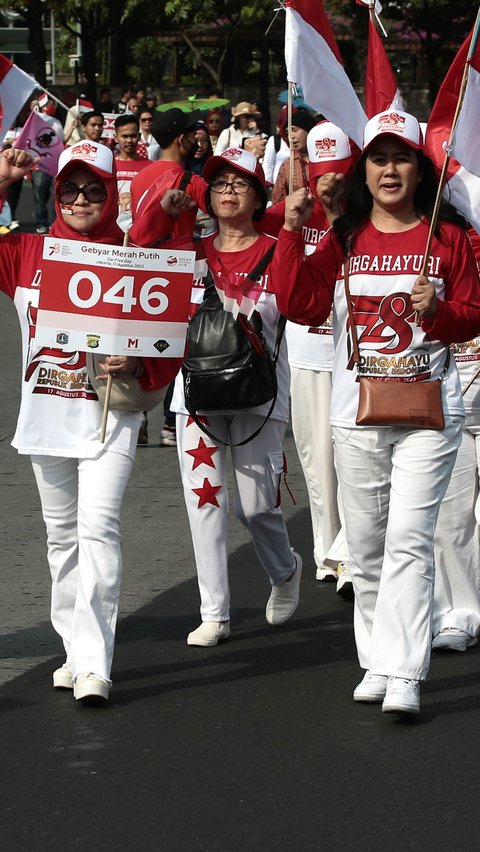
(115,300)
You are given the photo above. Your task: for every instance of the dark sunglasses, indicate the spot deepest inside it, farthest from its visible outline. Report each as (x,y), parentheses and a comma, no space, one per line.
(67,193)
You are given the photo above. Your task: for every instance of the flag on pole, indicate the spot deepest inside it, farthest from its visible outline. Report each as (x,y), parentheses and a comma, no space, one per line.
(466,139)
(39,138)
(462,187)
(313,62)
(15,88)
(381,90)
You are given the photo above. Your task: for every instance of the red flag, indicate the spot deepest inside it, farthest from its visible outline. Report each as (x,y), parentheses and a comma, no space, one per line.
(313,62)
(40,139)
(381,91)
(15,88)
(462,188)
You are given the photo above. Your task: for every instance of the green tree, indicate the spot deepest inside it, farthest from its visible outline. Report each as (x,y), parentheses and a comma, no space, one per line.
(92,21)
(31,14)
(439,26)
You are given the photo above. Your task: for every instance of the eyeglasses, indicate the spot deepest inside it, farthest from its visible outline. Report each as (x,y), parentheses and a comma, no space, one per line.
(239,187)
(67,193)
(146,119)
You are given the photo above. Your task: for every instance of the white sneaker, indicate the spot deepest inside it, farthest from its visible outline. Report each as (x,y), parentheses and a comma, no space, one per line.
(344,582)
(91,689)
(327,574)
(209,633)
(402,696)
(62,678)
(283,599)
(371,689)
(452,639)
(168,437)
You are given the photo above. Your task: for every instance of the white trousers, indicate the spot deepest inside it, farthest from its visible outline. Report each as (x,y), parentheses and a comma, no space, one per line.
(257,468)
(310,394)
(457,542)
(393,481)
(81,500)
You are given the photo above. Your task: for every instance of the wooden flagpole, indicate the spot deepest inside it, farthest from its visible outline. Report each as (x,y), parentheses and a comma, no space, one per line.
(289,125)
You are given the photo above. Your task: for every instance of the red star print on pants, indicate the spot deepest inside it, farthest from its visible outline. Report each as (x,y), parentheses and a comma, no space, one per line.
(201,418)
(206,494)
(202,454)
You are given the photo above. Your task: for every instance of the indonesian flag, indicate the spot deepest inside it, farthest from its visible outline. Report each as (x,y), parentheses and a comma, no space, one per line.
(40,139)
(462,187)
(466,139)
(15,88)
(82,105)
(313,62)
(381,92)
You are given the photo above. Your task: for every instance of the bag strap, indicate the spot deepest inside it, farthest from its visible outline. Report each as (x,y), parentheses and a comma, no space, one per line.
(186,178)
(353,328)
(254,341)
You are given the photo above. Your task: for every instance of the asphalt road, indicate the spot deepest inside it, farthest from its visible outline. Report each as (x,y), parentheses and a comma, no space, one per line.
(253,746)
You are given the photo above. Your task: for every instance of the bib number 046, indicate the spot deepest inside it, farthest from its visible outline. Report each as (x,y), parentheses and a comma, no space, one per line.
(153,300)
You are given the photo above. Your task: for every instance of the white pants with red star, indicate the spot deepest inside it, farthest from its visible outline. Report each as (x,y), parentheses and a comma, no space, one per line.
(81,501)
(257,468)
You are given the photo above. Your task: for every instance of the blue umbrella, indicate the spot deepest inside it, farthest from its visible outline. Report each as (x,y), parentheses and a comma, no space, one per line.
(297,100)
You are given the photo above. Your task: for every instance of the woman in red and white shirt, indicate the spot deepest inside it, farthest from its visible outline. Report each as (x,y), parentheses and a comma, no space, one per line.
(392,478)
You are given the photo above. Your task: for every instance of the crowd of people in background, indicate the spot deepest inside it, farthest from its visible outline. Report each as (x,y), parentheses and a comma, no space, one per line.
(375,539)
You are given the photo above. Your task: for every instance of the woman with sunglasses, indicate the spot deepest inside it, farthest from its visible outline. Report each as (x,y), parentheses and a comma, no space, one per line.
(81,481)
(237,199)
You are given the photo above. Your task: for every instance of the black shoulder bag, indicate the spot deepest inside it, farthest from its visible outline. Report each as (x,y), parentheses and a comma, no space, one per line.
(228,366)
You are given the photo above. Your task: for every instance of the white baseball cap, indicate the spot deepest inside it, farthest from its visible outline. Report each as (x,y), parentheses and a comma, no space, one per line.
(330,150)
(242,160)
(95,155)
(394,123)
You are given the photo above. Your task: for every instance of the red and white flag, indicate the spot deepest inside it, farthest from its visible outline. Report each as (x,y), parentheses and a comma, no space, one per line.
(40,139)
(15,88)
(381,90)
(313,62)
(462,186)
(82,105)
(466,139)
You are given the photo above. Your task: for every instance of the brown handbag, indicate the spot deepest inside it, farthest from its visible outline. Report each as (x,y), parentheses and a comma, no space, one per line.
(388,401)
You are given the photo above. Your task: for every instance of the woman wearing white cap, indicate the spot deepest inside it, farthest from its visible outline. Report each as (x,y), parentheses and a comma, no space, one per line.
(81,481)
(392,478)
(238,198)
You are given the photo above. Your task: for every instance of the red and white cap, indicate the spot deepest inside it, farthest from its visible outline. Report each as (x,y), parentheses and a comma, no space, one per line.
(243,161)
(330,150)
(95,155)
(394,123)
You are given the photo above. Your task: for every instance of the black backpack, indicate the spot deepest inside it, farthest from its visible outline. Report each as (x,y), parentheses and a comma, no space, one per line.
(227,364)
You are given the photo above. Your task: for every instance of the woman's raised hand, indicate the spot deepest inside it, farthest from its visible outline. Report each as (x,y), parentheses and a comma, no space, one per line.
(175,201)
(298,207)
(329,189)
(14,165)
